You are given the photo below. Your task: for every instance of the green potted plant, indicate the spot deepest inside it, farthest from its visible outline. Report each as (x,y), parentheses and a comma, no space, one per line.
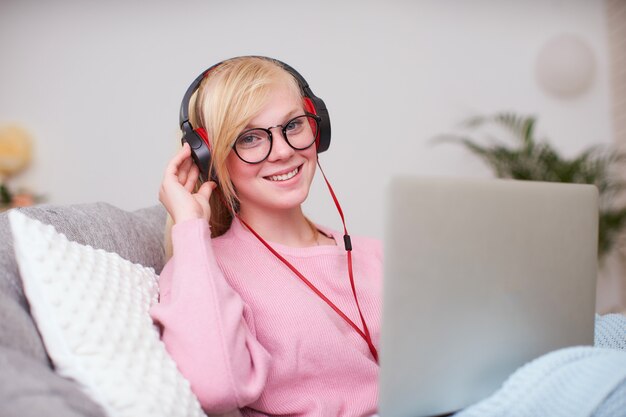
(527,158)
(5,195)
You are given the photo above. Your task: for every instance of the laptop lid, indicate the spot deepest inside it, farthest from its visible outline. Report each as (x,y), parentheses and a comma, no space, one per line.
(481,276)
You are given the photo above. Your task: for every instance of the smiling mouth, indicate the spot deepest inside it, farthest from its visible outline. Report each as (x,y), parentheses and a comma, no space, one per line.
(284,177)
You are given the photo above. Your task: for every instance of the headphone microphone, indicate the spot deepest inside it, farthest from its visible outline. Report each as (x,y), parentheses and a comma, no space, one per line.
(198,139)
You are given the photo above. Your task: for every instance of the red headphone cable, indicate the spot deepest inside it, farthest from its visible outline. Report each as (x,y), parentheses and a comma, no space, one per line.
(348,246)
(365,334)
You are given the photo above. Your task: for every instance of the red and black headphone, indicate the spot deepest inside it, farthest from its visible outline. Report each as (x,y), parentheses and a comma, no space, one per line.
(198,139)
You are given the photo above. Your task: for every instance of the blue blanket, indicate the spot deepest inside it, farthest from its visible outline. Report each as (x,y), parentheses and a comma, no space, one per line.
(574,382)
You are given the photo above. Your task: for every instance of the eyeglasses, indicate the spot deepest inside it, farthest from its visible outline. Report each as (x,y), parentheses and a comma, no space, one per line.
(254,145)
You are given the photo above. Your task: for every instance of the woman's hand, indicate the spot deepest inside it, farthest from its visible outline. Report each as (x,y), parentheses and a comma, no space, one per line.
(177,189)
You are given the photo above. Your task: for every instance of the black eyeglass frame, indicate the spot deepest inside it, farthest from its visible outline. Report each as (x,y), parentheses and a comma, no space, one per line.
(283,128)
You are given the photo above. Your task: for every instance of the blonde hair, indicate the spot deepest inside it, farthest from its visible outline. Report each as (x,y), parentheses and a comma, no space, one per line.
(228,98)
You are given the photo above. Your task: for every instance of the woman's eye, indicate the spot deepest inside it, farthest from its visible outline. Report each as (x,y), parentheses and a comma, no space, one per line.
(294,125)
(249,140)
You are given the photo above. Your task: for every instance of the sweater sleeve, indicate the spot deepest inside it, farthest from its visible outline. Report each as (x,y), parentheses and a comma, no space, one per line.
(204,328)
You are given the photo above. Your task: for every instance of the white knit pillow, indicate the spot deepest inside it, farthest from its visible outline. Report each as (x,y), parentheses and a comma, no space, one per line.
(91,308)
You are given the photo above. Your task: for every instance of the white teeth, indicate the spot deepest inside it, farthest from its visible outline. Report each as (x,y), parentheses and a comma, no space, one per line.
(284,177)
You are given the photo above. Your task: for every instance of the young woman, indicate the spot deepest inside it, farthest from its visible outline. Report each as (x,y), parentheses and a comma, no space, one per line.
(263,310)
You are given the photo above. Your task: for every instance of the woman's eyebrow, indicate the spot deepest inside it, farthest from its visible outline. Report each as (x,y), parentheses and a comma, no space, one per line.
(293,113)
(286,117)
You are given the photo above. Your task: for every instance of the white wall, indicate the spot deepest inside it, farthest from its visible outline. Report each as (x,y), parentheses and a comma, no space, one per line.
(99,85)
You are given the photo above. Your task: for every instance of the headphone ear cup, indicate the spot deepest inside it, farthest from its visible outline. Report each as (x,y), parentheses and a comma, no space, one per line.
(315,105)
(200,152)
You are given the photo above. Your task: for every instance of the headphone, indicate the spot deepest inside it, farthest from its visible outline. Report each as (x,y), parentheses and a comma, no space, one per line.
(198,139)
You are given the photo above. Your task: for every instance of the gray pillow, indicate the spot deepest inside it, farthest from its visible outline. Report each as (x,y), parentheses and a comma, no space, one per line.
(28,385)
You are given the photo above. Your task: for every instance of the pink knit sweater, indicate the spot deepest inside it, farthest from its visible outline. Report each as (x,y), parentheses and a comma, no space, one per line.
(247,333)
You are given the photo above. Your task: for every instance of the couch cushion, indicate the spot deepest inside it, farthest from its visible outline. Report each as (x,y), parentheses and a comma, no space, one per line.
(136,236)
(29,388)
(91,308)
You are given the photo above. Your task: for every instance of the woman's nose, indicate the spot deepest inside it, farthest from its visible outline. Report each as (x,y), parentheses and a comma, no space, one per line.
(280,147)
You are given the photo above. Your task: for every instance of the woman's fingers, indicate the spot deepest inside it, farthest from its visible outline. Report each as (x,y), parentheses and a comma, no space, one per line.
(206,189)
(183,170)
(176,192)
(202,197)
(175,163)
(192,178)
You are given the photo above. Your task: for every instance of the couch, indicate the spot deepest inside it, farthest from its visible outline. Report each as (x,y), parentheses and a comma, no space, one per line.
(28,384)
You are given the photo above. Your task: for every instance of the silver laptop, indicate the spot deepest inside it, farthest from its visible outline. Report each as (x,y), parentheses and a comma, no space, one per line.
(481,276)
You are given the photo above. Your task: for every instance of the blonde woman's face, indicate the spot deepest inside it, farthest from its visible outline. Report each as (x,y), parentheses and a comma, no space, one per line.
(282,181)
